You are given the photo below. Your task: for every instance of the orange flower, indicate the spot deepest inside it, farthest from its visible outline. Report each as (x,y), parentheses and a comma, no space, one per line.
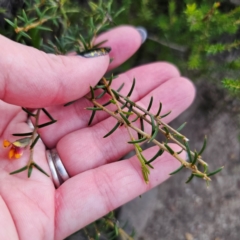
(17,147)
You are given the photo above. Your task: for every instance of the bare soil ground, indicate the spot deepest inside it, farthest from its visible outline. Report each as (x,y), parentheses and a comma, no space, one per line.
(176,211)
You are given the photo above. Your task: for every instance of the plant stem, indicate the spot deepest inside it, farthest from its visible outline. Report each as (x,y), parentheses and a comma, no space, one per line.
(193,168)
(30,161)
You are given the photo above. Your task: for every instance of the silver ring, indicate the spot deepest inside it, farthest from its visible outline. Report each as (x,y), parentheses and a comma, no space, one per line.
(59,173)
(55,177)
(59,165)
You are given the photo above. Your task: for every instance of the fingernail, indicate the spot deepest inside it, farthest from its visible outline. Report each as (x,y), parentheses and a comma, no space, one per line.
(143,33)
(97,52)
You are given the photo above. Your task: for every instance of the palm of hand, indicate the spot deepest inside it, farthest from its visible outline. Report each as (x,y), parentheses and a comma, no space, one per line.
(33,207)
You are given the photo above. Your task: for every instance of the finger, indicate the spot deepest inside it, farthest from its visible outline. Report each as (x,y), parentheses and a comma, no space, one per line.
(32,78)
(9,112)
(86,148)
(74,117)
(7,223)
(124,41)
(94,193)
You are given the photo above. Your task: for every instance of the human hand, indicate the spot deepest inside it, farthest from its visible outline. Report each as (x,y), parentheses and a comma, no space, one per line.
(98,183)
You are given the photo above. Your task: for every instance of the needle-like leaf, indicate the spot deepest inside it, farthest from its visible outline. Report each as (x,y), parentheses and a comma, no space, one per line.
(28,112)
(40,169)
(19,170)
(204,146)
(48,114)
(113,130)
(138,140)
(34,142)
(150,104)
(22,134)
(46,124)
(30,168)
(91,118)
(132,87)
(190,178)
(215,172)
(159,110)
(177,170)
(159,153)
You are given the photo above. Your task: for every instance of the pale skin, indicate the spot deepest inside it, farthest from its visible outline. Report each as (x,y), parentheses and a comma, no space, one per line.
(99,182)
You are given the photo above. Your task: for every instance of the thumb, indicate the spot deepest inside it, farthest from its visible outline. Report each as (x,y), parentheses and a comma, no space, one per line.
(34,79)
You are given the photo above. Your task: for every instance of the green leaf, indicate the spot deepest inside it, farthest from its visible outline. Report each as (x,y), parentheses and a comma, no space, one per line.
(129,113)
(109,82)
(93,6)
(118,12)
(152,123)
(46,124)
(120,88)
(40,15)
(25,16)
(28,112)
(10,23)
(94,108)
(99,44)
(198,175)
(138,140)
(23,134)
(40,169)
(83,42)
(180,151)
(44,28)
(112,77)
(150,104)
(141,127)
(35,141)
(163,116)
(91,118)
(205,168)
(30,170)
(101,94)
(113,130)
(124,118)
(177,170)
(134,120)
(99,86)
(116,229)
(69,103)
(48,114)
(188,152)
(19,170)
(113,102)
(92,93)
(169,149)
(190,178)
(159,153)
(166,130)
(181,127)
(129,101)
(204,146)
(115,93)
(23,34)
(154,135)
(145,172)
(195,158)
(132,87)
(159,110)
(215,172)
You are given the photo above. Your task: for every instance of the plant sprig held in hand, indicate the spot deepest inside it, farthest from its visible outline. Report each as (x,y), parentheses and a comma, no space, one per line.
(41,17)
